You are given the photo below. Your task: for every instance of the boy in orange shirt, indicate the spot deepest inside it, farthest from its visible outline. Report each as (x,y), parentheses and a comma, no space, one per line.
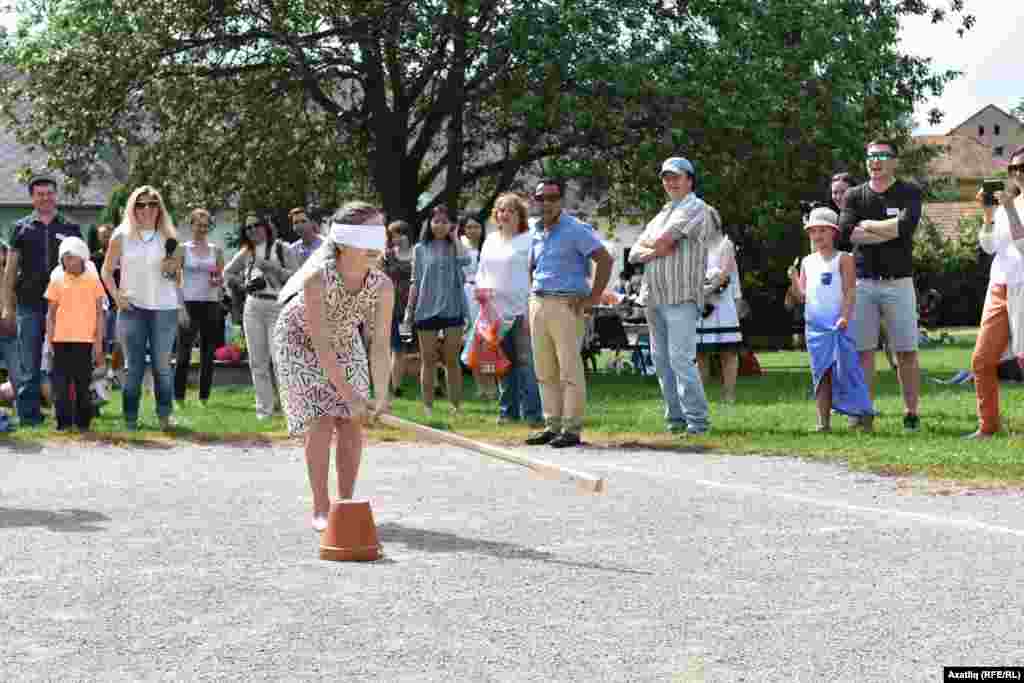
(74,327)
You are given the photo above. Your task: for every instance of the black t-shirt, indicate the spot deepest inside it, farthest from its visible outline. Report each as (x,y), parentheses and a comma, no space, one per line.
(38,246)
(889,259)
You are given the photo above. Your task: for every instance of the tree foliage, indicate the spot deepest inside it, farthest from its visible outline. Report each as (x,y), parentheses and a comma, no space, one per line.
(276,102)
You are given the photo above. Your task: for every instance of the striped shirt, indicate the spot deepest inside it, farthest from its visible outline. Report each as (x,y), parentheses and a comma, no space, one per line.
(679,276)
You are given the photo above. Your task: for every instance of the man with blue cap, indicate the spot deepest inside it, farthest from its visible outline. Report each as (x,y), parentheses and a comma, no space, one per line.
(674,252)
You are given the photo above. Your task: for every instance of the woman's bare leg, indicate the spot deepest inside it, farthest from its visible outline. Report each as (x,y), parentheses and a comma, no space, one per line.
(318,462)
(348,455)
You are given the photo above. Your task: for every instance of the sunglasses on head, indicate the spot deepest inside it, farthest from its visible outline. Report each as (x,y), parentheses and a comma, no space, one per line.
(881,156)
(1015,168)
(147,205)
(548,198)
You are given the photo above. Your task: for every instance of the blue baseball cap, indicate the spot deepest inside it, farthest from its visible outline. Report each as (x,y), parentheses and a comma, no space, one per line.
(676,166)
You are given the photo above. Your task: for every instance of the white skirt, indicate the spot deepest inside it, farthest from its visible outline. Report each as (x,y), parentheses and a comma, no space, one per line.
(721,329)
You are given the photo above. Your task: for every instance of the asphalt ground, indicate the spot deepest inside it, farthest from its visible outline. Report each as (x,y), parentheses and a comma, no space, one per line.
(197,563)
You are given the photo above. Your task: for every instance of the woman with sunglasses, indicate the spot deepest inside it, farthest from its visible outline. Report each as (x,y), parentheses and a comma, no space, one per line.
(263,266)
(202,277)
(147,299)
(1002,316)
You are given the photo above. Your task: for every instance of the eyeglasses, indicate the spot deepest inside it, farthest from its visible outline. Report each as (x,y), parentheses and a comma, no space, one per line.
(147,205)
(1015,168)
(548,198)
(881,156)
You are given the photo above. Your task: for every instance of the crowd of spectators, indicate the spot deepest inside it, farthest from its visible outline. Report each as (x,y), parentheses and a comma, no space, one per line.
(510,303)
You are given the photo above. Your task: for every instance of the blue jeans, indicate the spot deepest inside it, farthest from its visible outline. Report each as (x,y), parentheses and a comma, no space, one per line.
(140,328)
(10,358)
(31,330)
(519,395)
(674,347)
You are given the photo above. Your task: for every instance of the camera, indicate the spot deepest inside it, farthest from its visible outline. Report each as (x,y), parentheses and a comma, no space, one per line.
(256,285)
(989,187)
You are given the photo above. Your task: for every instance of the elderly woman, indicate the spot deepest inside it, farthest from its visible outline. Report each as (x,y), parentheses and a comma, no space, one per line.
(323,373)
(504,275)
(263,265)
(146,298)
(1000,236)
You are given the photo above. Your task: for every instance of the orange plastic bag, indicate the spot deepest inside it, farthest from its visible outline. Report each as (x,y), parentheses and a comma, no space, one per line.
(487,358)
(488,323)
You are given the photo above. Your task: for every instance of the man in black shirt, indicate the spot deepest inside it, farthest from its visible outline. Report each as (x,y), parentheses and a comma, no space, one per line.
(35,245)
(879,218)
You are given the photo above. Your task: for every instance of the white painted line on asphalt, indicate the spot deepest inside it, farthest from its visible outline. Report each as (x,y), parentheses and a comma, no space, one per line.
(967,524)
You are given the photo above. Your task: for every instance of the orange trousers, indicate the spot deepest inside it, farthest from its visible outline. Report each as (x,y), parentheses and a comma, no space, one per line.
(993,338)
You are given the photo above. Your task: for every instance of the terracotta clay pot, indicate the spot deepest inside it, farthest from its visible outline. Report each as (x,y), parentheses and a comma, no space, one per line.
(351,535)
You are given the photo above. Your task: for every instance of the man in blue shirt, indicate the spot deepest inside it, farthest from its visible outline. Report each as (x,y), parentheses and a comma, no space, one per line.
(35,244)
(561,295)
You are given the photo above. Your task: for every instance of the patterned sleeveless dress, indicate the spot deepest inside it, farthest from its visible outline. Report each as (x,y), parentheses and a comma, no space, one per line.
(306,393)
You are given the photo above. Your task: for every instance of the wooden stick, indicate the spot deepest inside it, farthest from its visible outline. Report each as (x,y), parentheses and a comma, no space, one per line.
(584,482)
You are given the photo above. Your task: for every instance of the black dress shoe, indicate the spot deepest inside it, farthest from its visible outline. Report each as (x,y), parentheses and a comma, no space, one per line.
(566,440)
(541,438)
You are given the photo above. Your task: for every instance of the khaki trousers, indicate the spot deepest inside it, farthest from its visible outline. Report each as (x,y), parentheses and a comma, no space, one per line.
(557,332)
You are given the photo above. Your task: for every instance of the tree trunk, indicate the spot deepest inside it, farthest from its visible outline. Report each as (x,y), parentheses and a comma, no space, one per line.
(454,175)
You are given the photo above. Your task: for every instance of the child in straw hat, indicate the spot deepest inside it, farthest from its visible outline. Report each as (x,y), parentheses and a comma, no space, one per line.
(827,282)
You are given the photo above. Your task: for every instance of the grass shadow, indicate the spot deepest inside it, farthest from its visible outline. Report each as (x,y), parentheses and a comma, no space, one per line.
(445,542)
(18,444)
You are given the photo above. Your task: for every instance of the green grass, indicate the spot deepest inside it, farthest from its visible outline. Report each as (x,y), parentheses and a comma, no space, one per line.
(773,416)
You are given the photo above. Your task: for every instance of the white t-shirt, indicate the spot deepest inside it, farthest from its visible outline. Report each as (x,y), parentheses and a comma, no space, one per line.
(141,280)
(504,267)
(1008,262)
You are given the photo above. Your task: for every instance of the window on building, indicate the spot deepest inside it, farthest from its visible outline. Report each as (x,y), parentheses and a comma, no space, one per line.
(995,130)
(981,130)
(998,151)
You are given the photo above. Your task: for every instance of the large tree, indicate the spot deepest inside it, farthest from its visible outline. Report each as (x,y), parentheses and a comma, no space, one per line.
(274,101)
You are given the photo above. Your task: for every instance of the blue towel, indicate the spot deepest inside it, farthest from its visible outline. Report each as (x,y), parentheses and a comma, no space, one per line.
(835,349)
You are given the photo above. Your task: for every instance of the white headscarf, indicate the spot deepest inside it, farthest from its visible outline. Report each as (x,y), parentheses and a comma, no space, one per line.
(367,236)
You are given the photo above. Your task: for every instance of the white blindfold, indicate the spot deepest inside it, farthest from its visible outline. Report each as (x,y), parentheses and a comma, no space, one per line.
(359,236)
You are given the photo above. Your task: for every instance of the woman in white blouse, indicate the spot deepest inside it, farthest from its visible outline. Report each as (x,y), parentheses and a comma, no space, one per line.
(1002,236)
(144,248)
(504,276)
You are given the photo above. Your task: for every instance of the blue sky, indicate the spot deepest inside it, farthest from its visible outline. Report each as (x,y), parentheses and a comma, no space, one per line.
(987,55)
